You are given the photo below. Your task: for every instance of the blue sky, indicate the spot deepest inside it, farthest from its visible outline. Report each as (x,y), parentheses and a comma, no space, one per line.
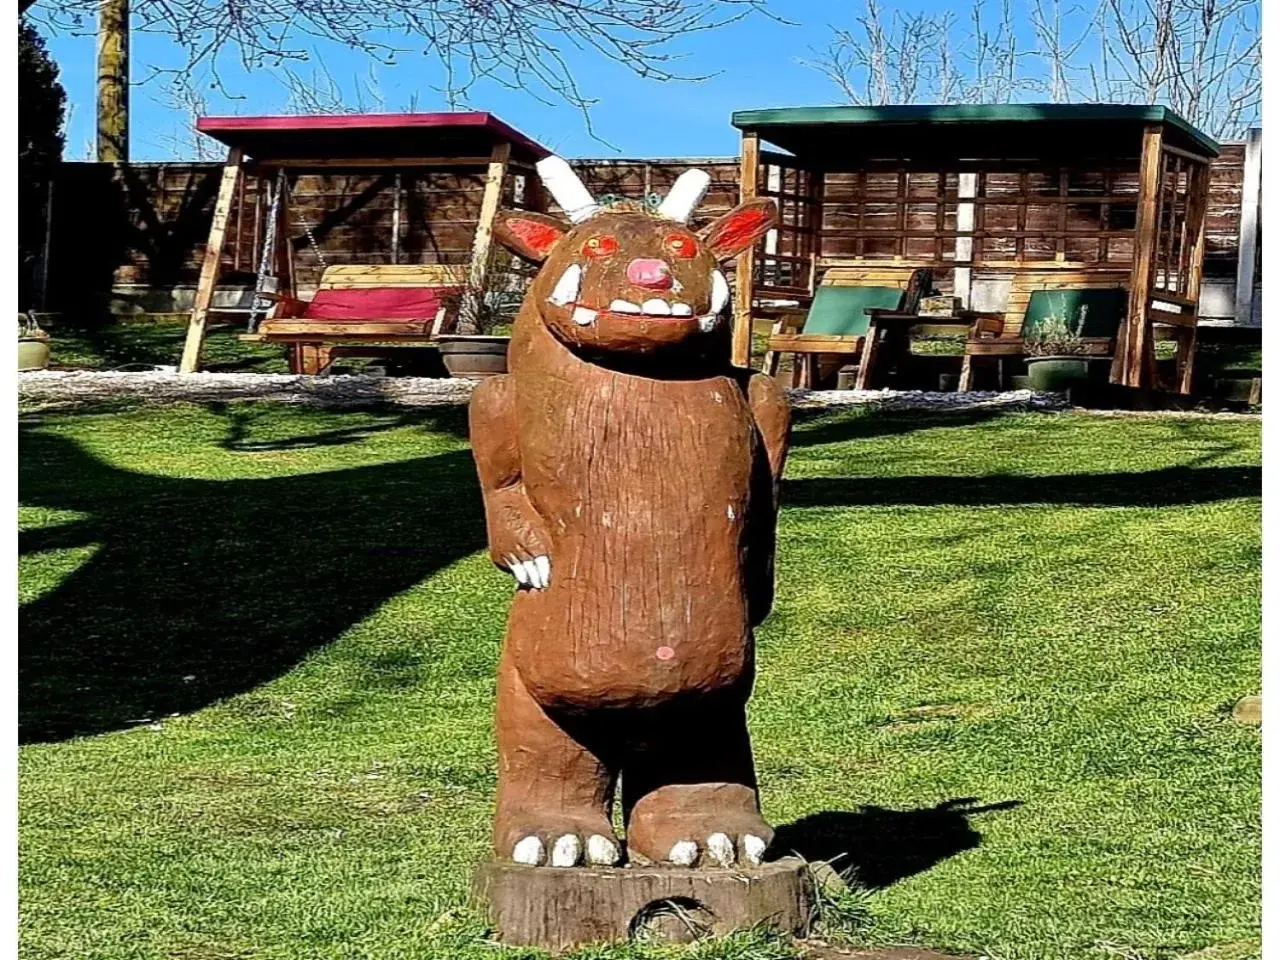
(756,62)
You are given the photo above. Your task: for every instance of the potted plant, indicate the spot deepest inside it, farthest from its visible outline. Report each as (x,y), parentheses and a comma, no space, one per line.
(1056,351)
(33,344)
(478,347)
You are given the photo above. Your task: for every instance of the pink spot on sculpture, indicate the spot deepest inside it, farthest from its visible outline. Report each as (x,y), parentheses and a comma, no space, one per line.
(665,653)
(649,273)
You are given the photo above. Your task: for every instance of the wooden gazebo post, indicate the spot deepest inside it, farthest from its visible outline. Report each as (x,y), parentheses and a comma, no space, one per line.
(744,275)
(212,264)
(1168,262)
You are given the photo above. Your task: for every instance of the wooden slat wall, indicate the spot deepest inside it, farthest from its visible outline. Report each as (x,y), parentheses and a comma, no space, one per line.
(145,224)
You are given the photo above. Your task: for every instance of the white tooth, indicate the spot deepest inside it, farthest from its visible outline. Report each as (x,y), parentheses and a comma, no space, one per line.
(656,307)
(583,317)
(543,565)
(566,290)
(708,323)
(681,310)
(623,306)
(719,291)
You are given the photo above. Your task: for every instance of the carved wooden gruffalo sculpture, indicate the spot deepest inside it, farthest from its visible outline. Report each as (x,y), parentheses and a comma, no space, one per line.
(630,479)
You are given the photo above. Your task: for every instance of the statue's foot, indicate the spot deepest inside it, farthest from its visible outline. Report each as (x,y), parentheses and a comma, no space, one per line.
(710,825)
(557,839)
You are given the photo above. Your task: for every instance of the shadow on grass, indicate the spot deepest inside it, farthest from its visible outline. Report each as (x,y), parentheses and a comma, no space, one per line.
(201,589)
(882,846)
(1172,486)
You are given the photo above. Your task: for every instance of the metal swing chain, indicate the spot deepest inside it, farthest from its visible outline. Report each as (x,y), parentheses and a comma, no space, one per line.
(261,305)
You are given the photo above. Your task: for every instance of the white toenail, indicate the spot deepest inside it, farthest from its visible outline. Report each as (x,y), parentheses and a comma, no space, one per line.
(720,849)
(567,851)
(753,848)
(683,853)
(602,850)
(528,850)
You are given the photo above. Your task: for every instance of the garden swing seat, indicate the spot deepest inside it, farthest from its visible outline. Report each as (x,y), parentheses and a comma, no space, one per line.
(400,304)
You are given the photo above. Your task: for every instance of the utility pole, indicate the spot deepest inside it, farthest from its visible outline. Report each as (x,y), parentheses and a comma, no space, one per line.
(113,81)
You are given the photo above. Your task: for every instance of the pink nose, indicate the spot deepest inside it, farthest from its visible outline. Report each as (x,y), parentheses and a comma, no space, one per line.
(654,274)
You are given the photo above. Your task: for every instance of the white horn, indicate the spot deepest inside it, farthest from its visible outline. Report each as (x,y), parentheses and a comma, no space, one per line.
(573,197)
(686,193)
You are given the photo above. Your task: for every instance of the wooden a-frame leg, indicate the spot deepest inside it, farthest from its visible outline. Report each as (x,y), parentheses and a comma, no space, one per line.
(966,374)
(1185,365)
(870,349)
(212,264)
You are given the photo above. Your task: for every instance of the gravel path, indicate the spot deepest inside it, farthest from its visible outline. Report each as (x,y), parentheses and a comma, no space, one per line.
(44,389)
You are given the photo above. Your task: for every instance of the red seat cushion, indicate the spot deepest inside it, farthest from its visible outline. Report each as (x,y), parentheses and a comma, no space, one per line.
(379,303)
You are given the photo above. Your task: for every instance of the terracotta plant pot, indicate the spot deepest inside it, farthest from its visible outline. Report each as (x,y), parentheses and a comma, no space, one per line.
(474,357)
(33,353)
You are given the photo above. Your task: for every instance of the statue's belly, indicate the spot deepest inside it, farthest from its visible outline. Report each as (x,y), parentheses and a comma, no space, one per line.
(646,509)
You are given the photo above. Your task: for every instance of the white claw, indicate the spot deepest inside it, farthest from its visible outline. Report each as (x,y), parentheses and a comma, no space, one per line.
(528,850)
(583,317)
(601,850)
(708,323)
(683,853)
(517,570)
(720,849)
(543,564)
(753,848)
(567,851)
(531,571)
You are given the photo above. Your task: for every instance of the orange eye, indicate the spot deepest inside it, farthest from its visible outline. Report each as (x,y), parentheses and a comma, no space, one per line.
(603,246)
(681,245)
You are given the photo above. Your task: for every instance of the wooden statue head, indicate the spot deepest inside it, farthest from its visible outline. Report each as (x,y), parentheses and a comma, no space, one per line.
(624,278)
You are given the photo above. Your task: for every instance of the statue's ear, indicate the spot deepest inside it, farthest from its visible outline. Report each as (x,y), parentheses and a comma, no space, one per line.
(740,228)
(528,234)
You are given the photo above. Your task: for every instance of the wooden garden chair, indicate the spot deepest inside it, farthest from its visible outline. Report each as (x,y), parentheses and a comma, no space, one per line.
(836,322)
(354,305)
(998,336)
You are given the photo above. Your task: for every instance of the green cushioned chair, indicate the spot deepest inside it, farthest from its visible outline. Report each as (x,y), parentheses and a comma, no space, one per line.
(836,323)
(842,311)
(1054,307)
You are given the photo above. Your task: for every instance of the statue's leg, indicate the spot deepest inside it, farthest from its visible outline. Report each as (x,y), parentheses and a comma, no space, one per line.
(689,788)
(554,791)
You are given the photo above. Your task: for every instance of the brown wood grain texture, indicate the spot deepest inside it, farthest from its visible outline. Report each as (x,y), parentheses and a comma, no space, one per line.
(1134,362)
(561,909)
(626,451)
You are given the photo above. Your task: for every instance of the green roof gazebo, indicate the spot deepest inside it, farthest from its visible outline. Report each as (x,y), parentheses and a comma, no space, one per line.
(983,195)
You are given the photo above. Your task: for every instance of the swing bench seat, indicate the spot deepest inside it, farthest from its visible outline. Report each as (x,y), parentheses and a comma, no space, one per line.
(354,305)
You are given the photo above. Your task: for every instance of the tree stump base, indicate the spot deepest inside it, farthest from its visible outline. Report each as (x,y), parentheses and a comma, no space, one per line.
(558,908)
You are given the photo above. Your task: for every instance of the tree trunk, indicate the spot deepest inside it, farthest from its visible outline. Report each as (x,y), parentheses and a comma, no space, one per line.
(113,81)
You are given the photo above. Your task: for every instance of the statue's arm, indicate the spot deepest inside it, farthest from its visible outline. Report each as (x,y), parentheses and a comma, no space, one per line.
(772,415)
(517,535)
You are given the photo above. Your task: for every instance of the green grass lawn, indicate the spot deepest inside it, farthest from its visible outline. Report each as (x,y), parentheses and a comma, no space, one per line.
(258,650)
